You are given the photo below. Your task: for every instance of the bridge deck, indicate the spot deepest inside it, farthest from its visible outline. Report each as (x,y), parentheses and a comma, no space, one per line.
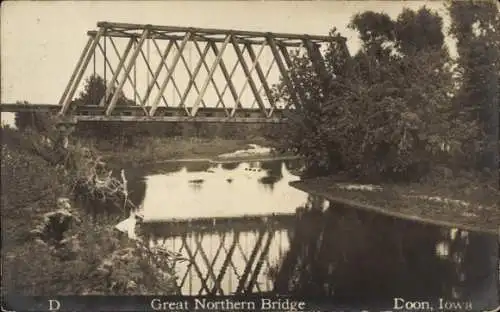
(140,114)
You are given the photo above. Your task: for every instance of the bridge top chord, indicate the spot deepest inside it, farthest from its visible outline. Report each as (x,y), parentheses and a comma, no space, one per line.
(208,34)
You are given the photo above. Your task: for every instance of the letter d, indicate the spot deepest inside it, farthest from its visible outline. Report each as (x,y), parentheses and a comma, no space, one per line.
(54,305)
(398,303)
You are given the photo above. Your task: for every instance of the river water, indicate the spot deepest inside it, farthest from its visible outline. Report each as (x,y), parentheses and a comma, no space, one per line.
(234,192)
(222,190)
(235,225)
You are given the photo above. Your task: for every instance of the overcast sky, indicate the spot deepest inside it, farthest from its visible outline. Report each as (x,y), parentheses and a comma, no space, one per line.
(41,41)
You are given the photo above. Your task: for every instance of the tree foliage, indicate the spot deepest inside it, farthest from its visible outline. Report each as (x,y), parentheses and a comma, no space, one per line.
(95,89)
(387,112)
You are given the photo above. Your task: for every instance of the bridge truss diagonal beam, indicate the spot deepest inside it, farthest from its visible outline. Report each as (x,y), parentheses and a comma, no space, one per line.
(210,74)
(266,76)
(228,76)
(220,98)
(132,81)
(191,75)
(295,82)
(167,69)
(114,79)
(249,80)
(75,71)
(194,74)
(156,74)
(284,71)
(262,77)
(131,63)
(170,73)
(318,63)
(80,71)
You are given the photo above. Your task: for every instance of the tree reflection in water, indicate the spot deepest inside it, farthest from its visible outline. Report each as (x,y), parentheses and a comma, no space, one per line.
(358,256)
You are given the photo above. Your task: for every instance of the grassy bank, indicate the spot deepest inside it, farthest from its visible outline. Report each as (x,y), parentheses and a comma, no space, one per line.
(89,259)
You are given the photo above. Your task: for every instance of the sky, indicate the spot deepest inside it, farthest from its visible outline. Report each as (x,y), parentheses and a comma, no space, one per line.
(41,41)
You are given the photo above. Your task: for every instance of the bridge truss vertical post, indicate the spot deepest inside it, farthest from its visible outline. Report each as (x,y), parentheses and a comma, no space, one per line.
(131,63)
(80,71)
(105,57)
(106,64)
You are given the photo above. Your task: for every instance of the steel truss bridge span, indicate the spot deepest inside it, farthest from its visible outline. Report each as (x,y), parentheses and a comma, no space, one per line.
(171,73)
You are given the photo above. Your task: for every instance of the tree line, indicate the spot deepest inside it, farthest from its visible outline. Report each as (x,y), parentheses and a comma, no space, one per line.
(401,105)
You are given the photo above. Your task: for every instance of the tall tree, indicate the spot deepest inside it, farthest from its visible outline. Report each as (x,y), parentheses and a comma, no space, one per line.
(476,25)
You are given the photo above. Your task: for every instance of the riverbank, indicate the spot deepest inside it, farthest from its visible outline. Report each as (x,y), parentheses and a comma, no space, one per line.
(50,246)
(464,202)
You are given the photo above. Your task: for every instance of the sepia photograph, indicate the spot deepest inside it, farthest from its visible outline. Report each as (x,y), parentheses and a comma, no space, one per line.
(250,155)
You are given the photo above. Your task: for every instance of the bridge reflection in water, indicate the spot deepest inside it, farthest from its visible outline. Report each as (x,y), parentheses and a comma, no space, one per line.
(227,262)
(326,250)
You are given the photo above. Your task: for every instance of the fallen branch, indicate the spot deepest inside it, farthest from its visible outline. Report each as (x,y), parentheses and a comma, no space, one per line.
(93,180)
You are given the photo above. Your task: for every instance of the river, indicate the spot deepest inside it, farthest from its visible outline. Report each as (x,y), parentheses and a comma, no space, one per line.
(236,223)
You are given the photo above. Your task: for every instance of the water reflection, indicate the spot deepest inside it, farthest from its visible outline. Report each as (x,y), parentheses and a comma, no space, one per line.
(230,165)
(226,262)
(220,192)
(220,218)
